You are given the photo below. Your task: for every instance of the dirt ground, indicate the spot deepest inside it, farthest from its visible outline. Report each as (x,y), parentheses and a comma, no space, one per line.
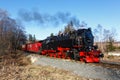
(16,66)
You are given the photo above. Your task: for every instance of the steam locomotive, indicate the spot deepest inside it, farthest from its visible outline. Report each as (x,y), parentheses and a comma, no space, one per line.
(77,45)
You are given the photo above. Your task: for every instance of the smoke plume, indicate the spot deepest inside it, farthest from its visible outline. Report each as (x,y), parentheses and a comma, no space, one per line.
(43,18)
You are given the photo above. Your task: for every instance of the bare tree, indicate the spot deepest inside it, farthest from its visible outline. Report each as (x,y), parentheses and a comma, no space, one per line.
(103,36)
(60,33)
(12,34)
(69,28)
(109,39)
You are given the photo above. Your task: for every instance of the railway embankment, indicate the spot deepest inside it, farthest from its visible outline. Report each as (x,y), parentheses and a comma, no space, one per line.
(17,66)
(36,67)
(90,71)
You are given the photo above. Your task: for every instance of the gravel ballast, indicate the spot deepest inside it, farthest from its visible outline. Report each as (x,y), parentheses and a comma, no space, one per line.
(79,68)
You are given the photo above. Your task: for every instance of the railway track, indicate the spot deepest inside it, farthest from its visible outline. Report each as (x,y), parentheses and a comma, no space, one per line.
(109,64)
(105,64)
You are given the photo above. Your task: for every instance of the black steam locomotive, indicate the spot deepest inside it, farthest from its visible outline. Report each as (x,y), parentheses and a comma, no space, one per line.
(77,44)
(76,41)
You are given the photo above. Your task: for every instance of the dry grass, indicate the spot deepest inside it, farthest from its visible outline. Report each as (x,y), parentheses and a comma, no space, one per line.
(12,64)
(47,73)
(111,58)
(18,67)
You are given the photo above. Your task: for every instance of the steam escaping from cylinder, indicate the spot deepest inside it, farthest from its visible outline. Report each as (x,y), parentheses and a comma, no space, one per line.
(44,18)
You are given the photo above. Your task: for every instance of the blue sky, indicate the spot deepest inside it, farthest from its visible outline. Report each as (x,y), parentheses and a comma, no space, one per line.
(93,12)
